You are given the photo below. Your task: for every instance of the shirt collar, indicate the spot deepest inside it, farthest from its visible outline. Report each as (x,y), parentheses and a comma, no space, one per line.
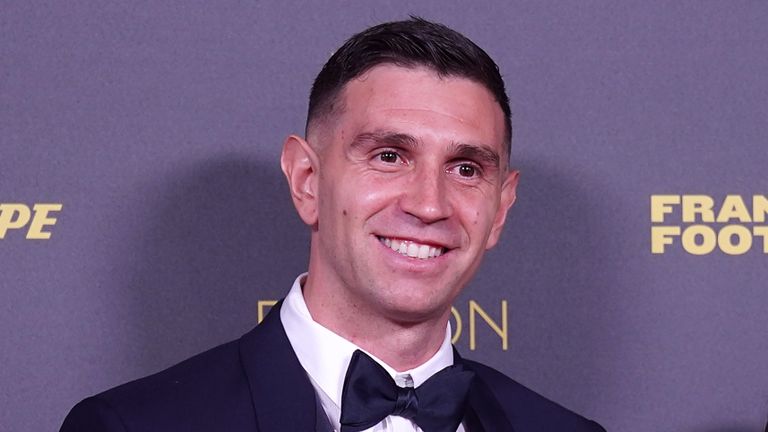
(325,355)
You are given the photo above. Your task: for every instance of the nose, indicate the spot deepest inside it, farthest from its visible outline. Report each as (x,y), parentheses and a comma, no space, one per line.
(425,196)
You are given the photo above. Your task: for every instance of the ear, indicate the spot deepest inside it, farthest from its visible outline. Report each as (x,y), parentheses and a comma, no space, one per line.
(508,196)
(299,163)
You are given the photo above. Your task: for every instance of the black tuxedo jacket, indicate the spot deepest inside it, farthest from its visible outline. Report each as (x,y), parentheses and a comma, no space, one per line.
(256,383)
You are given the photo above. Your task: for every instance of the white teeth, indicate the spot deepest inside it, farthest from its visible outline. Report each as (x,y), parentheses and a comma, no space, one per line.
(403,249)
(412,249)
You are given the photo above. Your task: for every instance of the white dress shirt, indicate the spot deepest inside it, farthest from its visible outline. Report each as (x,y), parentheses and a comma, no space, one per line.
(325,356)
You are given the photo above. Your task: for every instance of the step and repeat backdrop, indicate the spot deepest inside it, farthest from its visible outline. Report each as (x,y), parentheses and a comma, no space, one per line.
(144,218)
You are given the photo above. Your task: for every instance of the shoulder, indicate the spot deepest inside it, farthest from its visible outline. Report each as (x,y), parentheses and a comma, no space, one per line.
(205,392)
(526,409)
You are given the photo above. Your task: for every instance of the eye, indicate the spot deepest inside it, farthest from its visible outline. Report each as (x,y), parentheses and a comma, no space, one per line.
(467,170)
(389,157)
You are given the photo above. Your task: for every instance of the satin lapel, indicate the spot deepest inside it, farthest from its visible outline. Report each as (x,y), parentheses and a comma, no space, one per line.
(282,396)
(323,424)
(484,413)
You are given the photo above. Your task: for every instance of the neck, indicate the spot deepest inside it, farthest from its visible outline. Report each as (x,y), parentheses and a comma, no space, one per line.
(402,344)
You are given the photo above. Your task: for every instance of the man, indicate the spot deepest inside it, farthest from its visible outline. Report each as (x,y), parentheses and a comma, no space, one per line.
(404,182)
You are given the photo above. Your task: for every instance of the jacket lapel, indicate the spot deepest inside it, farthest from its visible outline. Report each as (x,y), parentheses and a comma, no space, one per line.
(484,413)
(282,396)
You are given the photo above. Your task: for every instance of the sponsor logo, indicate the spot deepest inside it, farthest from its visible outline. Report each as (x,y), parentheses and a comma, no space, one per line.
(36,220)
(701,225)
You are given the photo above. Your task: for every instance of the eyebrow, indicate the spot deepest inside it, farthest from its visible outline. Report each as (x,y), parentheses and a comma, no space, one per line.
(476,152)
(396,139)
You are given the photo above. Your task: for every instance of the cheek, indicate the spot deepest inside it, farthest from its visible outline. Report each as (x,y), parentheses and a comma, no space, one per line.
(477,215)
(370,194)
(356,199)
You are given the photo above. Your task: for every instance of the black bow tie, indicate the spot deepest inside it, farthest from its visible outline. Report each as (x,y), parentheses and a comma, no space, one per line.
(369,395)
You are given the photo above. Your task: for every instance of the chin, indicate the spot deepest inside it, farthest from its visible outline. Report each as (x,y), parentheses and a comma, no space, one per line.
(410,308)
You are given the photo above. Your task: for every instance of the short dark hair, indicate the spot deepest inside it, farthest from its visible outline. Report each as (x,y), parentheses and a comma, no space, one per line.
(409,43)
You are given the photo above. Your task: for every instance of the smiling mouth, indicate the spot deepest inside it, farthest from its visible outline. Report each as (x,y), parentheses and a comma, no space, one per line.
(412,249)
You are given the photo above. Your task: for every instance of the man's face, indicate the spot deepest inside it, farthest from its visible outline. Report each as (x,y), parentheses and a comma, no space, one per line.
(412,189)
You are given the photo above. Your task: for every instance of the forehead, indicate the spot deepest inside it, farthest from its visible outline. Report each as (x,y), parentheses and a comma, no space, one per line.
(419,102)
